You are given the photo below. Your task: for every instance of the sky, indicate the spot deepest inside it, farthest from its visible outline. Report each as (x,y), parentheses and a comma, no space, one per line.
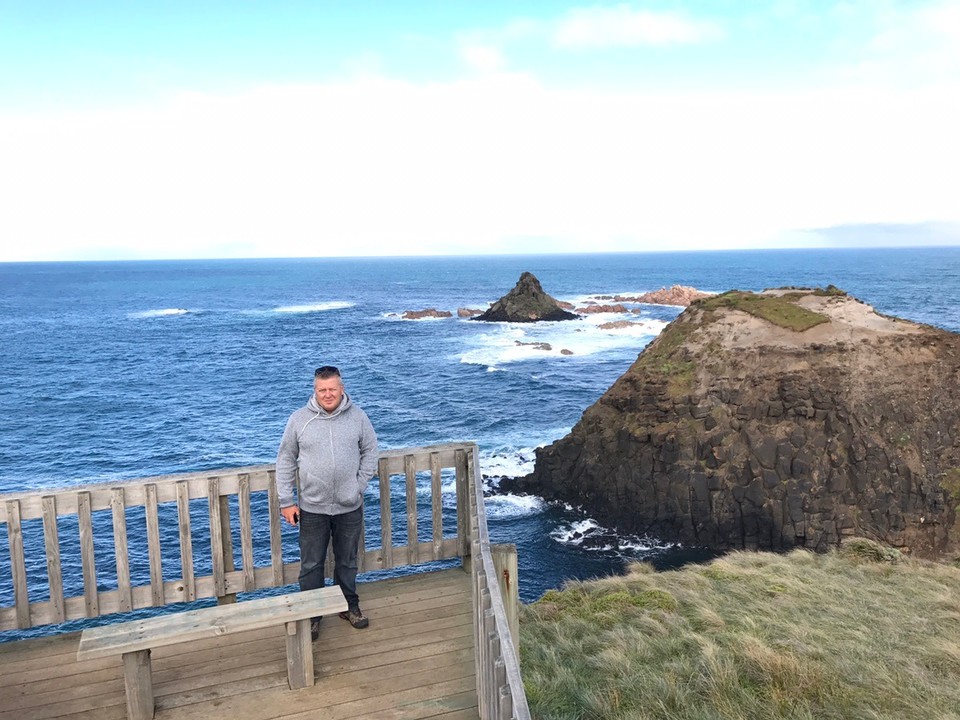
(215,129)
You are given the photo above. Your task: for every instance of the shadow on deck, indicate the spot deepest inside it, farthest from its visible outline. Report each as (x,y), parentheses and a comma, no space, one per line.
(416,660)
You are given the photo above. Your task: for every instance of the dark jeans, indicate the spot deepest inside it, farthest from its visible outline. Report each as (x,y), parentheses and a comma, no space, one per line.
(316,532)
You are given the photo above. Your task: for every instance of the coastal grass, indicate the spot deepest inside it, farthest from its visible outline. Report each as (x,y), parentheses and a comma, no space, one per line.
(780,310)
(860,632)
(667,356)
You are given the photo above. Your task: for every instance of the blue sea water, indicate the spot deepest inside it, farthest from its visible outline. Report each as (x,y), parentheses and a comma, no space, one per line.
(118,370)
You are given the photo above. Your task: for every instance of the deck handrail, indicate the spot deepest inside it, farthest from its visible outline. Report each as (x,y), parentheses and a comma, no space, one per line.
(238,507)
(500,693)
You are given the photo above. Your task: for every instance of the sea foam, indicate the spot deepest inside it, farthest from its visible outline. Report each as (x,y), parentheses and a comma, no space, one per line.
(513,342)
(165,312)
(588,534)
(315,307)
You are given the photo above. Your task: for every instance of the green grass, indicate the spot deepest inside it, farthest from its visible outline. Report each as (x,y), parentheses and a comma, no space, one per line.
(779,310)
(858,633)
(667,356)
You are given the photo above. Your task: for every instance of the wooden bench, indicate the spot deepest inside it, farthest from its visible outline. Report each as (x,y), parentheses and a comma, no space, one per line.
(134,639)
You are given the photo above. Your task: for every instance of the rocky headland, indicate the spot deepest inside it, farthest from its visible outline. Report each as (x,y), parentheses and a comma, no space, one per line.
(785,418)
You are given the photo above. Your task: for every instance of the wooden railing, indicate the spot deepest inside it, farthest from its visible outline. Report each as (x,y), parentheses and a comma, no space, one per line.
(229,540)
(500,693)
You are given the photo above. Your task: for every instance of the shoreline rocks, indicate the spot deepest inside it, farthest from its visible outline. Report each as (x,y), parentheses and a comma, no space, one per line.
(527,302)
(427,313)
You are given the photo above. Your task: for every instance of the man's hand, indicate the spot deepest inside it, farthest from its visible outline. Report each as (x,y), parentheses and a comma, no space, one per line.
(291,514)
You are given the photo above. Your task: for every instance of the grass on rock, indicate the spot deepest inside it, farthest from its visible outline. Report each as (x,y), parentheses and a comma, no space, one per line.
(862,632)
(780,310)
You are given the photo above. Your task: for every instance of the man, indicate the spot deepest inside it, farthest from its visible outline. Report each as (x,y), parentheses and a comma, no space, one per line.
(331,445)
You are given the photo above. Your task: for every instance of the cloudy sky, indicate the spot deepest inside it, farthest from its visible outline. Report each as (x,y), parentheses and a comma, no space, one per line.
(290,128)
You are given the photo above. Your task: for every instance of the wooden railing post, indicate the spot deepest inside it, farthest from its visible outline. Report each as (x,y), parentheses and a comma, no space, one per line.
(505,561)
(226,548)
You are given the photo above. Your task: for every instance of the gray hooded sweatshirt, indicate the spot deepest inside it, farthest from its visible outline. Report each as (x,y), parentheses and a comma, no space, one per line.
(335,454)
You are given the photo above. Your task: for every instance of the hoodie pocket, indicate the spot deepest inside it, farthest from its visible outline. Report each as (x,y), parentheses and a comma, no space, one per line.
(348,492)
(318,490)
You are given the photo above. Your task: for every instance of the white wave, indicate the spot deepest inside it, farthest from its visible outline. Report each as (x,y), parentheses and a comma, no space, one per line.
(165,312)
(589,535)
(399,316)
(315,307)
(514,463)
(512,342)
(573,533)
(507,505)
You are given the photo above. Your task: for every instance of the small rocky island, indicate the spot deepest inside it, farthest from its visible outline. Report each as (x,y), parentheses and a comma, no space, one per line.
(526,302)
(791,417)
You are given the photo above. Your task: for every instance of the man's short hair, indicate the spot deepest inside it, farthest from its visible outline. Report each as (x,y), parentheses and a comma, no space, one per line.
(326,372)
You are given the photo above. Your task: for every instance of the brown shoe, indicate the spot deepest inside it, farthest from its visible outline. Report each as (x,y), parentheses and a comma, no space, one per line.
(355,617)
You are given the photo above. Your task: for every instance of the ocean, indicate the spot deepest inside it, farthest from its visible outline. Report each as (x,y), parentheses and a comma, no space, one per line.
(120,370)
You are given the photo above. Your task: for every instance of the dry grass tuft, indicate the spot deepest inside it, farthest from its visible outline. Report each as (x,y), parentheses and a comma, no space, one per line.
(857,633)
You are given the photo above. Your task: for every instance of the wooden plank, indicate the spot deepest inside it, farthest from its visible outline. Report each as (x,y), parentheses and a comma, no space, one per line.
(138,685)
(225,677)
(120,550)
(88,557)
(246,533)
(299,654)
(207,622)
(409,468)
(373,670)
(101,495)
(395,458)
(226,539)
(463,499)
(51,541)
(362,545)
(17,566)
(505,561)
(186,540)
(436,504)
(349,697)
(216,535)
(386,517)
(152,513)
(337,653)
(276,539)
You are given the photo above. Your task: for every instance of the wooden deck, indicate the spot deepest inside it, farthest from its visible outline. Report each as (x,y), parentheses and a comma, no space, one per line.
(416,660)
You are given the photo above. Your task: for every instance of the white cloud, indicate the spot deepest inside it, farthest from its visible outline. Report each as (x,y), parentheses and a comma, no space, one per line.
(623,26)
(914,45)
(482,58)
(384,167)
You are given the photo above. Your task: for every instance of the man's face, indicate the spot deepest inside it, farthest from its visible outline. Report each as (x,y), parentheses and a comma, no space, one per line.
(328,392)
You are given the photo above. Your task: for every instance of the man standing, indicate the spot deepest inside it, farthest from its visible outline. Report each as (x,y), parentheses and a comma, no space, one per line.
(331,444)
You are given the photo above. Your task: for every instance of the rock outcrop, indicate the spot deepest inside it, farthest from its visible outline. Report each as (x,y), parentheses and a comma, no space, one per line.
(596,308)
(772,420)
(427,313)
(527,302)
(673,295)
(681,295)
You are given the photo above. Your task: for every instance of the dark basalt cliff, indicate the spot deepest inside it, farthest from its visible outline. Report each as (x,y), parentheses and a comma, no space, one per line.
(526,302)
(789,417)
